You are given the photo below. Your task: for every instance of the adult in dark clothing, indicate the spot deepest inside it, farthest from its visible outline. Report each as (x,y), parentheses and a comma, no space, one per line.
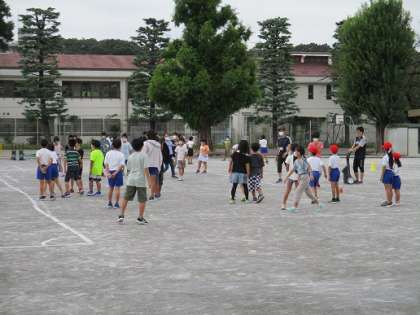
(283,144)
(168,156)
(359,149)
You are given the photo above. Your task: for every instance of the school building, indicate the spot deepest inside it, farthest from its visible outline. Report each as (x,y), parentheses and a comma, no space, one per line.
(95,88)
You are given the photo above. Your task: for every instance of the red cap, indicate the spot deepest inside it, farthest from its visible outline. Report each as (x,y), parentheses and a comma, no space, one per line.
(387,145)
(397,155)
(313,148)
(334,148)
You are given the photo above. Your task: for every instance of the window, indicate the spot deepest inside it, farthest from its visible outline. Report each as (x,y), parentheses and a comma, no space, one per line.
(91,89)
(329,92)
(310,92)
(8,89)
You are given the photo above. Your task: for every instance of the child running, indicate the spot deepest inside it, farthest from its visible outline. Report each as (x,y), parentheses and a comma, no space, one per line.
(256,176)
(54,173)
(72,162)
(334,173)
(239,170)
(293,179)
(96,167)
(203,158)
(43,160)
(317,167)
(396,180)
(303,170)
(387,174)
(138,174)
(114,169)
(181,151)
(190,146)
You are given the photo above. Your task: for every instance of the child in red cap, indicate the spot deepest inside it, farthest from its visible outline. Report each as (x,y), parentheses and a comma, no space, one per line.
(396,180)
(317,167)
(334,173)
(387,174)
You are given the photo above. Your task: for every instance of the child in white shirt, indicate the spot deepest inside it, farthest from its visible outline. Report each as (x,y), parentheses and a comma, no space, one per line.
(317,167)
(334,173)
(181,151)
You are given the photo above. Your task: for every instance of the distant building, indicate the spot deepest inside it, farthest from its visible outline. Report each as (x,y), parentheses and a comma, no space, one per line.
(96,91)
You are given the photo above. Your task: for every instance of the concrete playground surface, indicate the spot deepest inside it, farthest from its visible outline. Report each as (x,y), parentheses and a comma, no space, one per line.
(201,255)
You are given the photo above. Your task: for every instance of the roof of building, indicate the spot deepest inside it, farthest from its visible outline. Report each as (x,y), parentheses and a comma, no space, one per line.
(125,62)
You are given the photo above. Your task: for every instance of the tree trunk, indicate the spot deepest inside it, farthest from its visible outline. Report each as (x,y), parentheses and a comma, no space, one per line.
(45,127)
(380,137)
(152,124)
(152,121)
(205,134)
(274,127)
(347,135)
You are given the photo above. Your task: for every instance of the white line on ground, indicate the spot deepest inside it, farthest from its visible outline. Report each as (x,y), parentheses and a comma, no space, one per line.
(42,246)
(37,208)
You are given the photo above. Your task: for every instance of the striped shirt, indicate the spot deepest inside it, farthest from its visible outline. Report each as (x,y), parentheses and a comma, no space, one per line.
(72,158)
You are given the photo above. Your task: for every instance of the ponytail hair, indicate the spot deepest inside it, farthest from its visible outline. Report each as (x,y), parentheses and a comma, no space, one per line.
(391,159)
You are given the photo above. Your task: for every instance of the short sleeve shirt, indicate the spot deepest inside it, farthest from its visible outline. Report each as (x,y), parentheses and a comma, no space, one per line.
(334,161)
(257,164)
(72,157)
(315,163)
(263,143)
(290,163)
(181,152)
(301,167)
(361,151)
(43,155)
(240,161)
(136,164)
(97,158)
(114,159)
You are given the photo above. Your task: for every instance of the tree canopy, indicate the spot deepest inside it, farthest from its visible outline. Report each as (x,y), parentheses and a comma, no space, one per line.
(93,46)
(372,58)
(6,26)
(208,74)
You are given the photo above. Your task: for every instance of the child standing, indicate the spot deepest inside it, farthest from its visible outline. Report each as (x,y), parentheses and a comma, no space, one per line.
(387,174)
(138,173)
(58,148)
(53,172)
(396,180)
(255,178)
(263,147)
(114,168)
(334,173)
(181,151)
(293,179)
(239,170)
(96,167)
(203,158)
(72,163)
(303,170)
(153,150)
(317,167)
(43,160)
(126,147)
(190,146)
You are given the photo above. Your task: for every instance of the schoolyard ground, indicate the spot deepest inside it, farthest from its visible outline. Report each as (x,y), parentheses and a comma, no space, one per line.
(201,255)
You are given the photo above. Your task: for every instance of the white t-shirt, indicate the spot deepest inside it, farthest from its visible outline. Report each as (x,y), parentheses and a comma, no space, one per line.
(181,152)
(397,171)
(315,163)
(385,162)
(334,161)
(289,162)
(263,143)
(44,156)
(190,144)
(54,157)
(114,159)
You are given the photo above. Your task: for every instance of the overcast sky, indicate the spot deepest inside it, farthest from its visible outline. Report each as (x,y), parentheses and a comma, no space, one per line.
(311,20)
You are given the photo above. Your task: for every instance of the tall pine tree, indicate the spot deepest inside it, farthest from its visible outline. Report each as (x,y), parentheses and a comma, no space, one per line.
(208,74)
(275,74)
(6,27)
(38,45)
(151,41)
(372,61)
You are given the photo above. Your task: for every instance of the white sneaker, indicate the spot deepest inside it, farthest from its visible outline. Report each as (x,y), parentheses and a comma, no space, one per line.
(180,179)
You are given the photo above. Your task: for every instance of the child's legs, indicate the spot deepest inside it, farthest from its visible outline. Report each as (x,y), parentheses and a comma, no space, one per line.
(205,166)
(57,182)
(233,190)
(302,187)
(397,195)
(142,207)
(310,194)
(332,189)
(110,192)
(153,185)
(181,171)
(388,193)
(337,190)
(50,184)
(80,184)
(90,185)
(98,185)
(287,191)
(117,193)
(124,203)
(199,165)
(246,191)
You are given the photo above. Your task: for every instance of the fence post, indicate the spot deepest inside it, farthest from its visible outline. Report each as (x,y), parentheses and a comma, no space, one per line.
(15,131)
(81,127)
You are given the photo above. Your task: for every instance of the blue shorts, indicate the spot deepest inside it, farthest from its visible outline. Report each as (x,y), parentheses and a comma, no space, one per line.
(116,181)
(396,182)
(388,177)
(153,171)
(315,182)
(42,176)
(334,175)
(264,150)
(53,171)
(239,178)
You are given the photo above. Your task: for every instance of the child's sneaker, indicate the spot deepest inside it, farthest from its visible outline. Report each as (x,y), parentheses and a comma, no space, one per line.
(180,179)
(197,171)
(81,193)
(42,197)
(110,206)
(66,195)
(254,199)
(260,198)
(397,204)
(386,204)
(52,197)
(283,207)
(204,172)
(120,219)
(151,198)
(117,205)
(333,201)
(232,201)
(72,190)
(98,194)
(141,221)
(243,199)
(292,209)
(90,193)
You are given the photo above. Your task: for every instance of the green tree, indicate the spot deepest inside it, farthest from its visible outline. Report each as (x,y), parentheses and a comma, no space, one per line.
(312,47)
(371,62)
(208,74)
(414,83)
(38,45)
(275,74)
(151,41)
(93,46)
(6,27)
